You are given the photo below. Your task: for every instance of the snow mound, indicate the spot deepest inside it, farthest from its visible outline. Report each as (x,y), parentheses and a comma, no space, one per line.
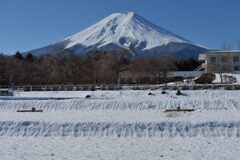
(136,104)
(92,129)
(123,100)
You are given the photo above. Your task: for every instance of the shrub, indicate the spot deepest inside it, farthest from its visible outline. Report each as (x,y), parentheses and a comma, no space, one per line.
(206,87)
(178,93)
(26,89)
(205,78)
(163,92)
(228,87)
(165,87)
(150,94)
(216,86)
(174,88)
(185,87)
(155,88)
(93,88)
(88,96)
(196,87)
(237,87)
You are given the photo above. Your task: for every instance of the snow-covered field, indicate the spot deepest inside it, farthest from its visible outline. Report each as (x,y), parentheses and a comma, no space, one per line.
(119,148)
(120,125)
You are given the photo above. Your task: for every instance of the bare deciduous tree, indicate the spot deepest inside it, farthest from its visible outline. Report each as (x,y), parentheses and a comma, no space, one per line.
(152,67)
(222,65)
(96,68)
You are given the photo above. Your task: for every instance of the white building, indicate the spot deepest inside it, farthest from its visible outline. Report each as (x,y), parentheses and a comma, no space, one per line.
(228,61)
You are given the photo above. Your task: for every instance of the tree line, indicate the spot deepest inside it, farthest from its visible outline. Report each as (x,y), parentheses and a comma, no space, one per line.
(95,68)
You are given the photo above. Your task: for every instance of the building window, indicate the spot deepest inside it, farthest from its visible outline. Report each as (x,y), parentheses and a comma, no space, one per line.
(236,68)
(235,59)
(225,59)
(212,59)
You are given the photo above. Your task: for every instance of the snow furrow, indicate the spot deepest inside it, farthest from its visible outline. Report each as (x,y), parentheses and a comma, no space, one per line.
(105,129)
(114,104)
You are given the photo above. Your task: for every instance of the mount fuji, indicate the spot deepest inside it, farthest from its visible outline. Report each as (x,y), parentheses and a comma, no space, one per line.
(124,31)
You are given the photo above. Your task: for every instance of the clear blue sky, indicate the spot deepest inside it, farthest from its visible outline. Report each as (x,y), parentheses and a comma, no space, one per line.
(30,24)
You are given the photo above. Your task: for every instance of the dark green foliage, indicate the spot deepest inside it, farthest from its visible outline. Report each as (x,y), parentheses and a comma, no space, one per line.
(29,57)
(188,64)
(18,55)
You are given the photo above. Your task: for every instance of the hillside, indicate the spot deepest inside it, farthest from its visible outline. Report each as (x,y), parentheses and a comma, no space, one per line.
(124,31)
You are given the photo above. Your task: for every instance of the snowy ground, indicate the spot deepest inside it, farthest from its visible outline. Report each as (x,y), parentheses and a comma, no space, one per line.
(119,148)
(120,125)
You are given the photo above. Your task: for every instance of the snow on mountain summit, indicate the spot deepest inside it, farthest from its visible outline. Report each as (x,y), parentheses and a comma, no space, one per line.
(122,30)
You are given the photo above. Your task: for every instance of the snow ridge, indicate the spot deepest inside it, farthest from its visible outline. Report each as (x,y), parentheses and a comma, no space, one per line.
(101,129)
(114,104)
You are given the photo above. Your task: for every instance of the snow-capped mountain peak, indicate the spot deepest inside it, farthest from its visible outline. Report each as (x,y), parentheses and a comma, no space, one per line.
(124,28)
(120,30)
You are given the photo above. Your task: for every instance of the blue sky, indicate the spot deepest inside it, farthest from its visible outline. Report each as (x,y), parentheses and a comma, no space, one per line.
(30,24)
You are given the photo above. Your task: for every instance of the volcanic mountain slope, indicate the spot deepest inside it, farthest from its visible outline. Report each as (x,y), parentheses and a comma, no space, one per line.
(124,31)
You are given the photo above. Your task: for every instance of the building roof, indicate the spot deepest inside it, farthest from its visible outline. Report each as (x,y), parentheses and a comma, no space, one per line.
(202,56)
(225,51)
